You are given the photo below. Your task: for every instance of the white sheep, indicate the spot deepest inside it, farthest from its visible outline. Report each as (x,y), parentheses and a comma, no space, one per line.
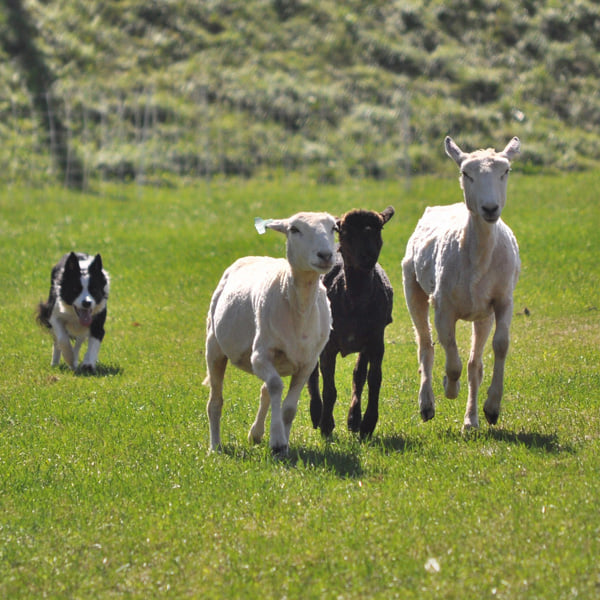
(271,317)
(466,260)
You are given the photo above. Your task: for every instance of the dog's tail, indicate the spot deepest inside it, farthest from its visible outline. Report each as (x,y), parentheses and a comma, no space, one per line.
(44,310)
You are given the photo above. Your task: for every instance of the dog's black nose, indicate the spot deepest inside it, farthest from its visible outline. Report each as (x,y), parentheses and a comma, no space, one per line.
(86,304)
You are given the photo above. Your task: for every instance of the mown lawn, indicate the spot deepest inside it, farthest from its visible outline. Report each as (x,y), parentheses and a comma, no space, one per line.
(106,486)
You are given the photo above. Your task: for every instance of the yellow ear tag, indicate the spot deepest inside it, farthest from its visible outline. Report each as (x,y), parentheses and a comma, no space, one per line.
(261,224)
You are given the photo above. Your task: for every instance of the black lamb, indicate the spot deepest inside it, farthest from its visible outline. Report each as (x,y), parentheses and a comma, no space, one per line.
(361,298)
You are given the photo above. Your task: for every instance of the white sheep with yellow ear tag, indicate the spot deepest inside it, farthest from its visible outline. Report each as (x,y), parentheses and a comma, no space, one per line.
(271,317)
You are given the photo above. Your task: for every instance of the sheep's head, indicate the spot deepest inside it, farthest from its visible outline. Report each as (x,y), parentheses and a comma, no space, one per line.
(484,176)
(360,236)
(310,240)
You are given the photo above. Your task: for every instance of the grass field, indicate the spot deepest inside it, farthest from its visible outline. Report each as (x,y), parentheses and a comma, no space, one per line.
(106,486)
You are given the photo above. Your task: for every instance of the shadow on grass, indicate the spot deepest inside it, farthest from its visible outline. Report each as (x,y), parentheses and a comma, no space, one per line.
(394,443)
(102,370)
(533,440)
(343,463)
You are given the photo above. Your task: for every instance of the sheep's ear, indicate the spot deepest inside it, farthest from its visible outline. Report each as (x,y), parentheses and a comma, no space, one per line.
(513,147)
(387,214)
(338,224)
(453,151)
(280,225)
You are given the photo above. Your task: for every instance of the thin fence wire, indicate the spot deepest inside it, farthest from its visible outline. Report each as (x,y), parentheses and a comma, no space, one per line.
(146,138)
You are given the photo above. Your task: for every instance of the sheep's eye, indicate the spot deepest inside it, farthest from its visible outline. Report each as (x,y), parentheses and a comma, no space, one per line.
(465,174)
(506,172)
(294,229)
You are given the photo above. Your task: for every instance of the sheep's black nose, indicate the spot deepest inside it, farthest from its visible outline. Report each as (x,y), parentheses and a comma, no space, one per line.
(490,210)
(326,256)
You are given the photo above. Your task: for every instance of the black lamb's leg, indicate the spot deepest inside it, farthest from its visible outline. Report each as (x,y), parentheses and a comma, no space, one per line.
(316,404)
(327,423)
(359,377)
(374,380)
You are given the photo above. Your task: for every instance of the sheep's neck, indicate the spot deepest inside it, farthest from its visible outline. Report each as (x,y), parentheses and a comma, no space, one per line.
(302,290)
(479,239)
(358,281)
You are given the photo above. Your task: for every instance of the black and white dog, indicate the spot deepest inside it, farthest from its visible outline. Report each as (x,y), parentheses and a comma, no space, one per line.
(76,308)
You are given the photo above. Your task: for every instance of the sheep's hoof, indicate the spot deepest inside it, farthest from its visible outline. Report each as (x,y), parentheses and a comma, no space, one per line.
(327,426)
(451,388)
(315,413)
(366,434)
(491,417)
(354,423)
(367,427)
(280,451)
(469,428)
(254,437)
(427,413)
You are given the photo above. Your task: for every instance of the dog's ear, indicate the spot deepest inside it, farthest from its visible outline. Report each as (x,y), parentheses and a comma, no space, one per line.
(96,264)
(72,264)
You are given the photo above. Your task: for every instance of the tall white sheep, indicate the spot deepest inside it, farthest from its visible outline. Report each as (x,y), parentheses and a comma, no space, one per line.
(465,259)
(271,317)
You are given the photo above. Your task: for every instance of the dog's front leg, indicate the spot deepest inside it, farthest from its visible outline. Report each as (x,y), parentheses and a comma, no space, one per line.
(55,354)
(76,347)
(61,344)
(91,356)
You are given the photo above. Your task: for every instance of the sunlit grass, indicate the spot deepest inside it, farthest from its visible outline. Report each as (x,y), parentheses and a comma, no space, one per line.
(106,486)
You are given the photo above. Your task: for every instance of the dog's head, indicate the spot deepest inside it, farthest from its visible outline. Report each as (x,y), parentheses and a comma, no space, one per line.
(84,286)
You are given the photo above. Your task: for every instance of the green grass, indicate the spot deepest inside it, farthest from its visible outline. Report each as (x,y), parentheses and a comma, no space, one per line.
(106,486)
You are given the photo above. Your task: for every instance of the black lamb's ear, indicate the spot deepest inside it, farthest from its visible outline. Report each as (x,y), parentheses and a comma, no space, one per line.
(338,224)
(96,264)
(387,214)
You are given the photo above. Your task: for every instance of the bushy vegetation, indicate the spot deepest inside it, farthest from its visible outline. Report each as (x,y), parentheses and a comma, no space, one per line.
(360,88)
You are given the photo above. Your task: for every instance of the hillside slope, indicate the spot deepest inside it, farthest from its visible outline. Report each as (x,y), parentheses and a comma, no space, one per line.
(159,87)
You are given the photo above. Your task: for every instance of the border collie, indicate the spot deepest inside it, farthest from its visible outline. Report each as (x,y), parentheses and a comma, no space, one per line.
(76,308)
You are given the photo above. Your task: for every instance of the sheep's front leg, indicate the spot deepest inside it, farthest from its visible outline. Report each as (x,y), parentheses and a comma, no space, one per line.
(328,360)
(446,328)
(481,331)
(258,427)
(290,404)
(500,342)
(371,415)
(359,376)
(417,302)
(263,368)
